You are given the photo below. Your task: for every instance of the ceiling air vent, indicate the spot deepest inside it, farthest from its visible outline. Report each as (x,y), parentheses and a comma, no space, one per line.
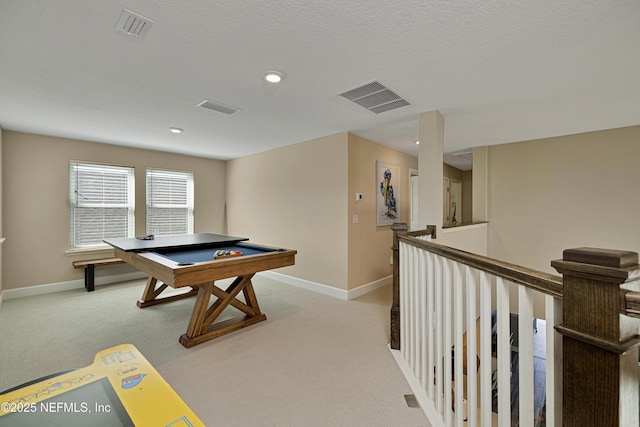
(133,24)
(216,106)
(375,97)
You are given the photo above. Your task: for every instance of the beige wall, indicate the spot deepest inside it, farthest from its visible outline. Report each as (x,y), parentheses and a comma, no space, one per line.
(552,194)
(451,172)
(369,245)
(1,232)
(543,196)
(479,184)
(295,197)
(467,196)
(36,200)
(300,196)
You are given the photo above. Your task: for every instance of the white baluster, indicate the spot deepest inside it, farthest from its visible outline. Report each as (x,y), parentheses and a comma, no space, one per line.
(472,350)
(458,318)
(413,312)
(447,340)
(485,349)
(439,332)
(404,298)
(431,325)
(553,314)
(424,330)
(525,356)
(504,353)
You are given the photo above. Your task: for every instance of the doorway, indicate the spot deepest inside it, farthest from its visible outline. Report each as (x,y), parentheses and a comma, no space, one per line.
(451,202)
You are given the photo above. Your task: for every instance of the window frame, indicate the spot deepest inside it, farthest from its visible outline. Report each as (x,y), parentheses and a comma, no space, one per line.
(75,203)
(189,205)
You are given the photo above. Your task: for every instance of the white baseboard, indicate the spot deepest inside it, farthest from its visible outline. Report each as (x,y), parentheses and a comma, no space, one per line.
(306,284)
(369,287)
(327,290)
(65,286)
(420,394)
(106,280)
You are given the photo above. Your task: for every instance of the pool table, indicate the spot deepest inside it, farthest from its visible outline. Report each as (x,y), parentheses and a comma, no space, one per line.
(187,264)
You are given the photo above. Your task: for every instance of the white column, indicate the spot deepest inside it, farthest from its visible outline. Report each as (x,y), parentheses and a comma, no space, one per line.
(480,184)
(431,137)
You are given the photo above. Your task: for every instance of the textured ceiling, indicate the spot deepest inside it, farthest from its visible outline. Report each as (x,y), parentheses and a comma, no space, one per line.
(499,71)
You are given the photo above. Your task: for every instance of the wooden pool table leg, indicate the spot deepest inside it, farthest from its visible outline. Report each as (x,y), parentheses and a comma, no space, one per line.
(199,312)
(151,294)
(251,299)
(201,325)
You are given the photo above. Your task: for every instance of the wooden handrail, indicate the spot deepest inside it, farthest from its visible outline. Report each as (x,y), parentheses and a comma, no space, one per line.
(429,231)
(600,348)
(547,283)
(631,303)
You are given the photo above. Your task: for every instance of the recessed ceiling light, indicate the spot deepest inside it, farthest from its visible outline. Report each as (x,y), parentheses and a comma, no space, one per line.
(273,76)
(175,130)
(417,142)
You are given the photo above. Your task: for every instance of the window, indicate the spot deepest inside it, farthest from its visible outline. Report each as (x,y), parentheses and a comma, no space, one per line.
(102,203)
(169,202)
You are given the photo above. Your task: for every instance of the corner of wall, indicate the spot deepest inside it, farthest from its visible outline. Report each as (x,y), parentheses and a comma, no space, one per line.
(480,184)
(368,244)
(306,213)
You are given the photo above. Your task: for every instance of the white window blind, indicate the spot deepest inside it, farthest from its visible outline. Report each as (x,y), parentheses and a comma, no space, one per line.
(102,203)
(169,202)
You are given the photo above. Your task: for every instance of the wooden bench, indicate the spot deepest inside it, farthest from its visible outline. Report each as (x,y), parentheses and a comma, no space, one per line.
(89,269)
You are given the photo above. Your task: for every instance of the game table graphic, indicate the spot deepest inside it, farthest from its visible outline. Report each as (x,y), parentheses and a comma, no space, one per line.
(120,388)
(187,263)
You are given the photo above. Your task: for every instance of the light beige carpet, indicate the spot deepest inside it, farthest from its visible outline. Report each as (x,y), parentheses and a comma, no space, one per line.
(315,361)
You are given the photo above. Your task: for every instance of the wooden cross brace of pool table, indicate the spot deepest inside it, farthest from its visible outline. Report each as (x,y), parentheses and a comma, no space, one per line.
(201,326)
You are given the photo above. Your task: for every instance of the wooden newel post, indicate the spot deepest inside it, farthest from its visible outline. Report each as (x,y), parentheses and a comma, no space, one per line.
(600,355)
(399,228)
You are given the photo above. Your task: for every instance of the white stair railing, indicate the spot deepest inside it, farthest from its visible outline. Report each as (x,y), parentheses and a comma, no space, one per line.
(446,300)
(446,305)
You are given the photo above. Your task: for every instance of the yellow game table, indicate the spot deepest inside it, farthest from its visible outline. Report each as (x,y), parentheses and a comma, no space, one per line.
(120,388)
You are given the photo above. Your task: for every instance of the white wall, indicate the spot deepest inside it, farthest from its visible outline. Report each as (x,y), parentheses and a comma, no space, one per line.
(470,238)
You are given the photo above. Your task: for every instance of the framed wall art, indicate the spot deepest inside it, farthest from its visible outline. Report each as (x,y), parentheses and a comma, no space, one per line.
(388,190)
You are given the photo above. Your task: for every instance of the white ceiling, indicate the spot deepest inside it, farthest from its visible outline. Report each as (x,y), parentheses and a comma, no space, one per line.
(499,71)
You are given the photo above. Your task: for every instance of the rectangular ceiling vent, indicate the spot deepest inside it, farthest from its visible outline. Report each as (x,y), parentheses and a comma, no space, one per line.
(217,106)
(133,24)
(375,97)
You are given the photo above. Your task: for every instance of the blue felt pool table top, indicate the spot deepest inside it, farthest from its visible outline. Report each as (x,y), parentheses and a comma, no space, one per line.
(189,256)
(135,244)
